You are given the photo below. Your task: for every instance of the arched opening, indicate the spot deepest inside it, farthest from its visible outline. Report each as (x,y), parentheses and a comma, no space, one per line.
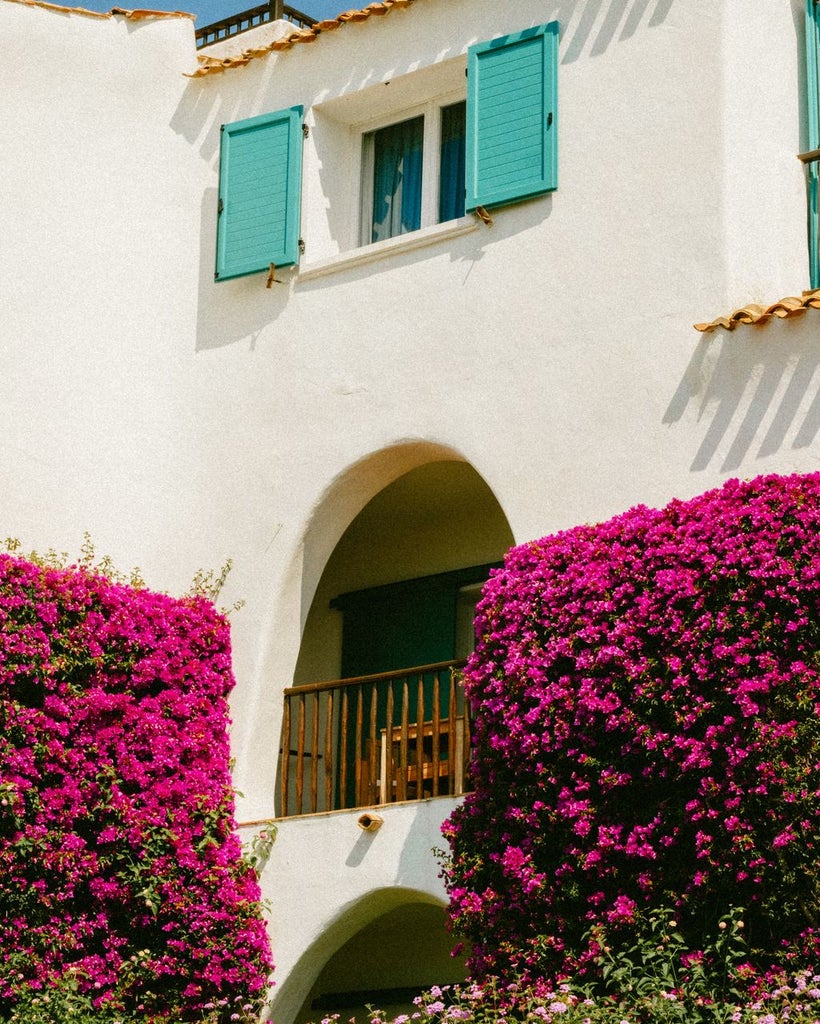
(386,964)
(397,592)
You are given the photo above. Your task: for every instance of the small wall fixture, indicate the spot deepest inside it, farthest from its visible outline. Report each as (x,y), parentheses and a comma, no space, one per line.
(482,215)
(370,822)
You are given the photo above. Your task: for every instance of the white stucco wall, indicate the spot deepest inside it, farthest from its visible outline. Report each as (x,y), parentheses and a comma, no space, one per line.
(328,878)
(183,422)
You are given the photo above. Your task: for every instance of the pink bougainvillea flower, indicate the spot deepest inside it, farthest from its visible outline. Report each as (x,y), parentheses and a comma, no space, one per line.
(646,694)
(118,857)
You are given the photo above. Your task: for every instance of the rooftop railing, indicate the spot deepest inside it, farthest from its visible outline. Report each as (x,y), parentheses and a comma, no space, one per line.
(373,740)
(275,10)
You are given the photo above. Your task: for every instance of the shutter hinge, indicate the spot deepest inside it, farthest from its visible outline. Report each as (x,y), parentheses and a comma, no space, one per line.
(301,247)
(549,119)
(220,206)
(305,130)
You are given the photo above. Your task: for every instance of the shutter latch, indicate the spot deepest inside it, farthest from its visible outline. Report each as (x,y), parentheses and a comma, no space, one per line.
(220,206)
(483,216)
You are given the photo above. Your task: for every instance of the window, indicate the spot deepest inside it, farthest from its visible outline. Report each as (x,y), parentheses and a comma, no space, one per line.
(498,147)
(394,197)
(421,165)
(260,172)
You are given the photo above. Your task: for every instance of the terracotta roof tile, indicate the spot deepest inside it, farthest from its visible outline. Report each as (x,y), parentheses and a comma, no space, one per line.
(214,65)
(141,14)
(131,15)
(754,314)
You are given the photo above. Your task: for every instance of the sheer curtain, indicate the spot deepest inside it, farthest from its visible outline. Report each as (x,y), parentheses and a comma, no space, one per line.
(451,172)
(395,156)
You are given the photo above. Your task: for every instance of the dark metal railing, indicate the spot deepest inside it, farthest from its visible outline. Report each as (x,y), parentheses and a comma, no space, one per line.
(275,10)
(373,740)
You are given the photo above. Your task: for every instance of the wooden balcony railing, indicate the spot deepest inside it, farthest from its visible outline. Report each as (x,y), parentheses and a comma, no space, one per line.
(375,739)
(275,10)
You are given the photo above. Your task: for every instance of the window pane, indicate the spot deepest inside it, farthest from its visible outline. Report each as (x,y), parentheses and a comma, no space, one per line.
(397,163)
(451,176)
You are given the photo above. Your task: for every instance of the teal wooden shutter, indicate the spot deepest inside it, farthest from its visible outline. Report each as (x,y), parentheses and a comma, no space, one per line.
(512,128)
(260,173)
(813,109)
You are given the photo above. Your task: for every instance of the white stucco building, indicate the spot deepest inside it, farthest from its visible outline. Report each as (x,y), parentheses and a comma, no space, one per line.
(381,390)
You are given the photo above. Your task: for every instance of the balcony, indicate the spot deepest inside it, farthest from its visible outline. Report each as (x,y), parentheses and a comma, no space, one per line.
(375,739)
(275,10)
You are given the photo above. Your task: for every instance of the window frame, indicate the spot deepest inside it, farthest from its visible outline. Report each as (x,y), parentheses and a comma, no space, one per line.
(430,110)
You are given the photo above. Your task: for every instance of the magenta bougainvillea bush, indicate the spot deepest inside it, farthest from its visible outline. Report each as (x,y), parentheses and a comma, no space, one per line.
(119,867)
(647,703)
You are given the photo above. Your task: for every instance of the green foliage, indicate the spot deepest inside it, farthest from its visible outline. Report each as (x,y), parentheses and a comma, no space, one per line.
(655,979)
(68,1001)
(257,852)
(655,976)
(88,560)
(207,583)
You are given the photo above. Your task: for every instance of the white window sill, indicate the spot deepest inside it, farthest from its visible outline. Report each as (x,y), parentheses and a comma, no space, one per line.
(389,247)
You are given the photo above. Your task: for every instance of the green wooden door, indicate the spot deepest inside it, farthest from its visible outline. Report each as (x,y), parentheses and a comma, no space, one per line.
(399,626)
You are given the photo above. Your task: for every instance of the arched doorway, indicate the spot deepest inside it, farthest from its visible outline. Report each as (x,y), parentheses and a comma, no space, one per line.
(398,592)
(384,948)
(386,964)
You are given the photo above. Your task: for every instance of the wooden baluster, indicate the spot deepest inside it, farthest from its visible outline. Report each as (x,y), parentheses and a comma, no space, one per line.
(467,741)
(285,778)
(300,754)
(343,755)
(453,741)
(314,757)
(401,791)
(329,751)
(374,741)
(387,745)
(420,737)
(436,730)
(361,798)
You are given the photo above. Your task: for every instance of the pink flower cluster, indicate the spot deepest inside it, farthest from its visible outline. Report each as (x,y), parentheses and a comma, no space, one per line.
(118,858)
(647,703)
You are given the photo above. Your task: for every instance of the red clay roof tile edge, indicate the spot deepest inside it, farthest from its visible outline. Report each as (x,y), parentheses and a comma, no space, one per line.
(134,15)
(755,314)
(214,65)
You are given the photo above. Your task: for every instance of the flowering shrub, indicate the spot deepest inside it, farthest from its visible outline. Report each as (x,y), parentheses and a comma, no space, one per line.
(653,981)
(122,885)
(647,735)
(794,999)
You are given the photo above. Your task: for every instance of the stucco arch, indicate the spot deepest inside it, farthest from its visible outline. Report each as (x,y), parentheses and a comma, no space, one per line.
(349,492)
(413,493)
(333,962)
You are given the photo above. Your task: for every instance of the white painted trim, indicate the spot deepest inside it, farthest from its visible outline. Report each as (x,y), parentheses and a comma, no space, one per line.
(389,247)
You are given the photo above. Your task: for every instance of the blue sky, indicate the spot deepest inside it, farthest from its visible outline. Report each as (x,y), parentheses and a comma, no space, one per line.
(212,10)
